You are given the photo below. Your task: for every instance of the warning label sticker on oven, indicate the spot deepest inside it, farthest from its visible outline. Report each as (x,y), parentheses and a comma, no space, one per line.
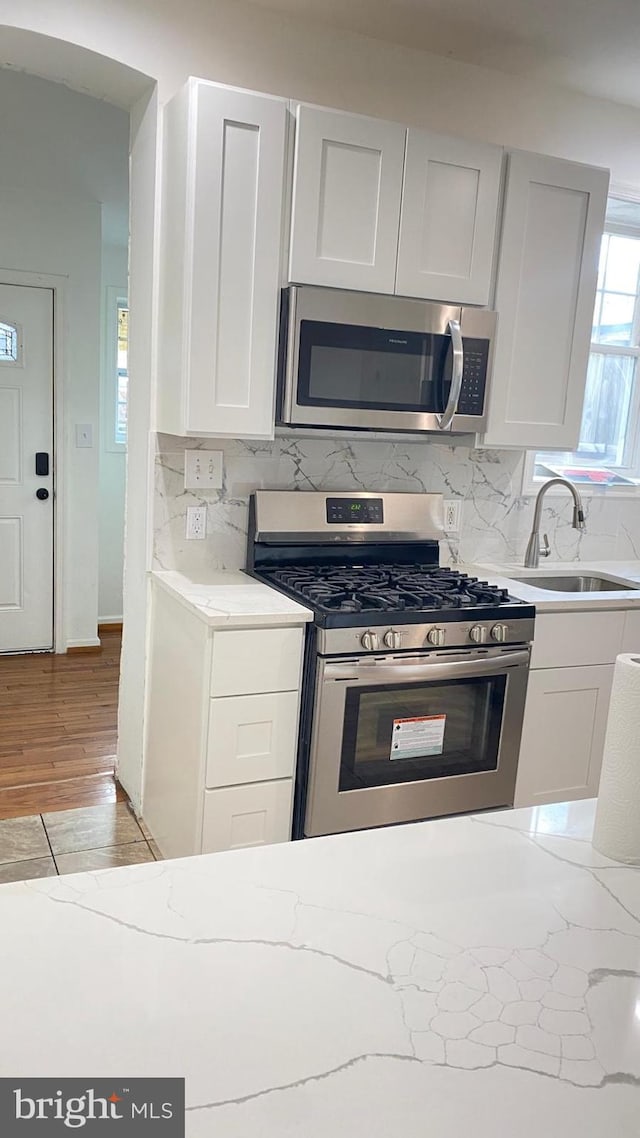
(418,738)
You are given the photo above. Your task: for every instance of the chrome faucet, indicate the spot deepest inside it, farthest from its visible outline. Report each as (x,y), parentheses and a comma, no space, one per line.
(534,549)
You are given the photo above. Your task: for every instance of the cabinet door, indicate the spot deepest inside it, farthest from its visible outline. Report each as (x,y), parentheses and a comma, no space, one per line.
(546,284)
(223,193)
(563,734)
(631,635)
(449,215)
(252,738)
(255,815)
(346,200)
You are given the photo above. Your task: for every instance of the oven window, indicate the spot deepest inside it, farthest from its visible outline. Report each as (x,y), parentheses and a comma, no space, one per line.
(415,732)
(341,365)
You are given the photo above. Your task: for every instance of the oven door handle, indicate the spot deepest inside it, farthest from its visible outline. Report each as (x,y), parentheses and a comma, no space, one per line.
(445,420)
(401,671)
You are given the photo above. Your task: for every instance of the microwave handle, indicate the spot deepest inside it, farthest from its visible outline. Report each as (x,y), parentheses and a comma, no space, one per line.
(445,420)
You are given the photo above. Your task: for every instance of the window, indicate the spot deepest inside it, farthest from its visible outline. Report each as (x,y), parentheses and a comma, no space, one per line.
(609,449)
(115,369)
(122,384)
(8,343)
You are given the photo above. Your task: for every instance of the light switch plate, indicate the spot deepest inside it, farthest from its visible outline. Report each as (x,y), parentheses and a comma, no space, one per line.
(84,434)
(203,470)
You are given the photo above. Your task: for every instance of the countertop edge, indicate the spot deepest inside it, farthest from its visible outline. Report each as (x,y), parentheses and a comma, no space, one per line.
(546,601)
(292,615)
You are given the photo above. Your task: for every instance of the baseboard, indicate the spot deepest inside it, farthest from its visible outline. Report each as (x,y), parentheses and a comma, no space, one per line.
(92,645)
(110,624)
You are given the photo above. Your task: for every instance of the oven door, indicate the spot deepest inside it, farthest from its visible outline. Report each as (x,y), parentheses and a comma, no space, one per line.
(398,739)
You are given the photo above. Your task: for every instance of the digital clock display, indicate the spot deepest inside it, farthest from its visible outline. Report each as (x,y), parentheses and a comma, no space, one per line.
(363,511)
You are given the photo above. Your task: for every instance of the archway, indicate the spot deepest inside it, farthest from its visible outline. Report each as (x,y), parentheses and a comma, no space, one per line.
(108,79)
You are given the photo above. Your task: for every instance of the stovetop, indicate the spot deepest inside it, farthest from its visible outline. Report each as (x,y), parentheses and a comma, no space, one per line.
(345,595)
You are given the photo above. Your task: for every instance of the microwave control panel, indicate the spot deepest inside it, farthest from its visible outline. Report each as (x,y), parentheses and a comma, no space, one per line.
(474,377)
(361,511)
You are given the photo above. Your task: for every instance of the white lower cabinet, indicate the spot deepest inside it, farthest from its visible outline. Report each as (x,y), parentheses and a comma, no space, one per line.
(631,637)
(563,734)
(565,719)
(223,730)
(257,814)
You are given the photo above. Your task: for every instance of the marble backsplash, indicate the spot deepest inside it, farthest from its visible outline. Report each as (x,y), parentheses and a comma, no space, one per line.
(496,517)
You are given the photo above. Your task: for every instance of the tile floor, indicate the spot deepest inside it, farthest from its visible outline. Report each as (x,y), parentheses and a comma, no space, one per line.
(71,841)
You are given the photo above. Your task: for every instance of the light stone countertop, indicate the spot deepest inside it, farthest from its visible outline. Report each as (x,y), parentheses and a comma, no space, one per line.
(508,577)
(470,976)
(231,599)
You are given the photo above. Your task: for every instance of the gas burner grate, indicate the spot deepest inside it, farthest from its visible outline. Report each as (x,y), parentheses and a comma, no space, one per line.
(386,588)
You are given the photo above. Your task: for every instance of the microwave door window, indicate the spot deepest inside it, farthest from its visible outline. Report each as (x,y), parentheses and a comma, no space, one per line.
(343,366)
(359,377)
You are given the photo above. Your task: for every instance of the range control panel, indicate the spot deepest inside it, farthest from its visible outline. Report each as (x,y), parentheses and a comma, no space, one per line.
(359,511)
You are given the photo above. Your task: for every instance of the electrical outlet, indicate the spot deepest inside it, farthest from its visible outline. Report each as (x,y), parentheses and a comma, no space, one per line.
(196,523)
(203,470)
(452,508)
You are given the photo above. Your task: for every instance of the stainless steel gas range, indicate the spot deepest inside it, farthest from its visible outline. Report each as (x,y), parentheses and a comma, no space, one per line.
(415,676)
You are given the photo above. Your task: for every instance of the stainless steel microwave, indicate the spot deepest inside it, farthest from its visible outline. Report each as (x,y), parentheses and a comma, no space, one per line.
(382,363)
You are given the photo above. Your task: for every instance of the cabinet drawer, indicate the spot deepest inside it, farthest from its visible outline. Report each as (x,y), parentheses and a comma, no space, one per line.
(254,815)
(247,662)
(567,639)
(252,738)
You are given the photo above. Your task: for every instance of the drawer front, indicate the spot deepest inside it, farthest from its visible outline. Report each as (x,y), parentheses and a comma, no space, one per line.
(573,639)
(251,661)
(252,738)
(240,816)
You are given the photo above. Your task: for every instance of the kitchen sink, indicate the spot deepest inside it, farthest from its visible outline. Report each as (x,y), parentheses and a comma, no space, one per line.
(579,584)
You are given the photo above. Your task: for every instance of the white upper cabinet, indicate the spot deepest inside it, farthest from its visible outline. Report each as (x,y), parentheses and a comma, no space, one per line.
(223,187)
(346,200)
(552,225)
(449,215)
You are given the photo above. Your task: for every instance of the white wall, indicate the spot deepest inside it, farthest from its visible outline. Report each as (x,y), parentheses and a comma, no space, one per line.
(234,42)
(113,462)
(63,193)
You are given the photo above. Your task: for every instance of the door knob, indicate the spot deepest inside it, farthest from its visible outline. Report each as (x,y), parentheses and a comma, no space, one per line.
(42,494)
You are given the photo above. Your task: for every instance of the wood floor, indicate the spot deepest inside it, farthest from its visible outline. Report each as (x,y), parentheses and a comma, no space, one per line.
(58,721)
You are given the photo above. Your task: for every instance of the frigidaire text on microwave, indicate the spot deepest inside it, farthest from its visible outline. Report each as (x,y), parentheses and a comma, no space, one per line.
(363,361)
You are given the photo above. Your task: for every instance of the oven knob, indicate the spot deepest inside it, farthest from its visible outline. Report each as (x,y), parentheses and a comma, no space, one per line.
(369,640)
(478,634)
(436,636)
(500,632)
(392,638)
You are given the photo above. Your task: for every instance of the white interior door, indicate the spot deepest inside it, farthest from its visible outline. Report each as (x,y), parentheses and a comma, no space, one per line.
(26,430)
